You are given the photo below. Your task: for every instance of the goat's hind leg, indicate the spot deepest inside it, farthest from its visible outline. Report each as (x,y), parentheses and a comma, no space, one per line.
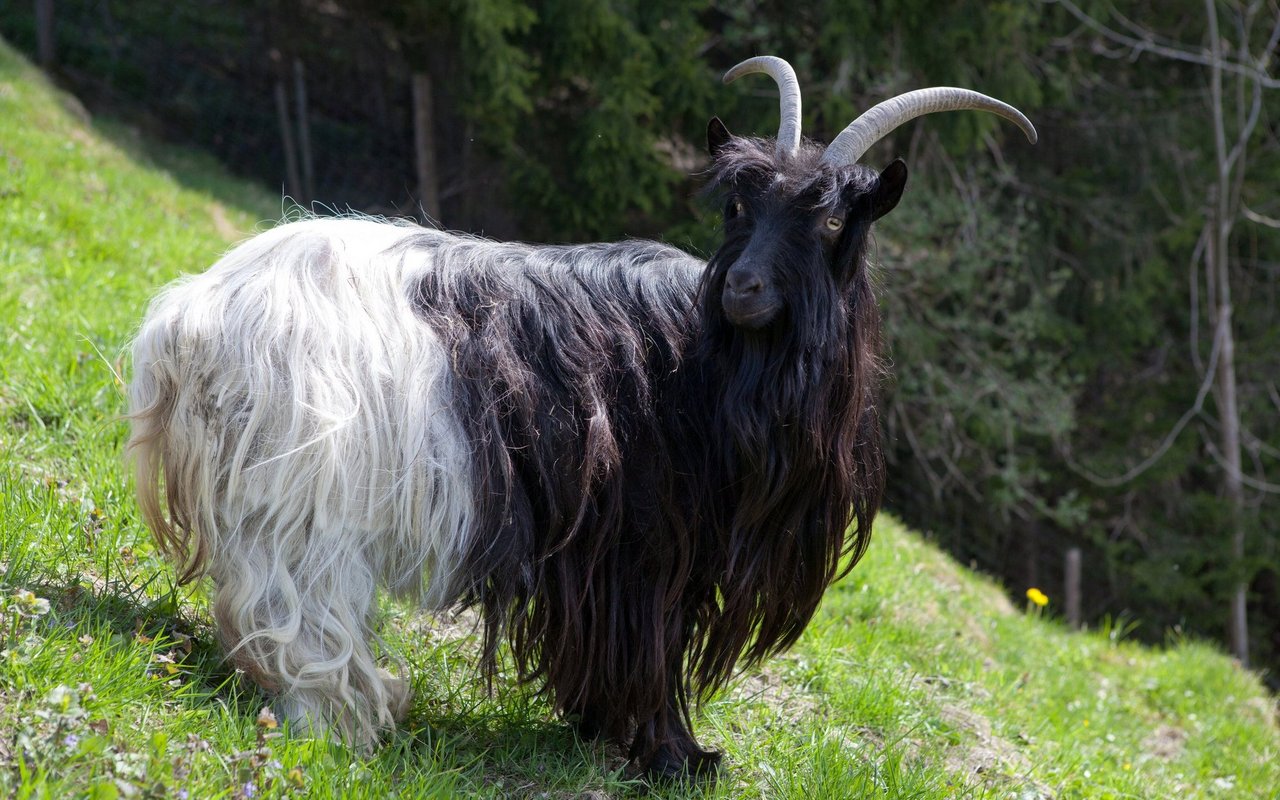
(302,632)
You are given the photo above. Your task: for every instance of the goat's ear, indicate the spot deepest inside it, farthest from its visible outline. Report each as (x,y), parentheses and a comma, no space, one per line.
(718,136)
(893,179)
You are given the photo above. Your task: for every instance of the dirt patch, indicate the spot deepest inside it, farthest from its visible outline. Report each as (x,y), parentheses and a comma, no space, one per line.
(72,105)
(970,609)
(988,753)
(857,737)
(1267,709)
(985,759)
(1165,743)
(926,612)
(223,224)
(84,138)
(448,627)
(788,700)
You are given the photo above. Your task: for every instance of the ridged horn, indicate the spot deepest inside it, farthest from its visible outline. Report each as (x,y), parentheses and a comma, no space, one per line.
(879,120)
(788,97)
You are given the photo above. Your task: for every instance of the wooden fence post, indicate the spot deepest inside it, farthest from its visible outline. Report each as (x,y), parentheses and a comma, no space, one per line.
(293,185)
(424,145)
(45,52)
(304,131)
(1072,584)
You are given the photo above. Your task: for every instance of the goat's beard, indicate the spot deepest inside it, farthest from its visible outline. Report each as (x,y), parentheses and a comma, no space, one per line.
(794,437)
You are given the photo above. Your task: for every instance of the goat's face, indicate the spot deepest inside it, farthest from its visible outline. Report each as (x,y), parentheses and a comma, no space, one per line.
(794,228)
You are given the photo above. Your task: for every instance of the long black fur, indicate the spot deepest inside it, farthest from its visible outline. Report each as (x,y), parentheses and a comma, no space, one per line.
(662,496)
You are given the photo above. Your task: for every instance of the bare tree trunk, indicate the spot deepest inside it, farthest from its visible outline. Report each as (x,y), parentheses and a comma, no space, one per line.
(293,184)
(1219,268)
(45,52)
(424,143)
(1031,554)
(304,131)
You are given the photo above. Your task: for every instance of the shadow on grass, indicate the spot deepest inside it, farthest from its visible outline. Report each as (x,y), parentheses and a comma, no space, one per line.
(195,170)
(513,756)
(505,744)
(502,737)
(124,608)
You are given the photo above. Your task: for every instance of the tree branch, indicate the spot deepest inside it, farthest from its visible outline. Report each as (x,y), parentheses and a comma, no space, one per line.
(1148,44)
(1252,483)
(1254,216)
(1169,439)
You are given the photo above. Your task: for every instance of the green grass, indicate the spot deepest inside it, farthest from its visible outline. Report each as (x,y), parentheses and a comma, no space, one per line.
(918,679)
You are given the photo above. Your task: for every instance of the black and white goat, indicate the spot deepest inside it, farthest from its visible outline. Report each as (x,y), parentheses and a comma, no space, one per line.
(643,469)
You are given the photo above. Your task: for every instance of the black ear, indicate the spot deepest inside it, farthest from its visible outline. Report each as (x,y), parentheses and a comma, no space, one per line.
(893,179)
(718,136)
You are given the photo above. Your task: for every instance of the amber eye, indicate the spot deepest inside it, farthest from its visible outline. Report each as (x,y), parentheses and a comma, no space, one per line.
(834,223)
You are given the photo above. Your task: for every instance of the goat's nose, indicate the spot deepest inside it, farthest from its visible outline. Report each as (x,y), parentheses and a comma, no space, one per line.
(745,284)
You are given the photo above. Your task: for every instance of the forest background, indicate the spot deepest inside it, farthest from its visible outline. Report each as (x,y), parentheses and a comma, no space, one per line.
(1083,337)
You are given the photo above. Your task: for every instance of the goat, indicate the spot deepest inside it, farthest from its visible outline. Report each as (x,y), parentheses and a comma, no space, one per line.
(643,470)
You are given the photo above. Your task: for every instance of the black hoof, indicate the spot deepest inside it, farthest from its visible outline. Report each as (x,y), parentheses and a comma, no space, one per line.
(671,764)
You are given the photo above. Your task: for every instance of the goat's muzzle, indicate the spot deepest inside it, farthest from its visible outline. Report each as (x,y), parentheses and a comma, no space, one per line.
(749,299)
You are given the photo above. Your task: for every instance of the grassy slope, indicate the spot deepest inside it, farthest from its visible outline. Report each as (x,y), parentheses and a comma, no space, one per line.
(916,680)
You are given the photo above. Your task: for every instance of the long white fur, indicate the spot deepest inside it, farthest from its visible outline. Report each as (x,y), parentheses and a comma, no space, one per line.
(301,415)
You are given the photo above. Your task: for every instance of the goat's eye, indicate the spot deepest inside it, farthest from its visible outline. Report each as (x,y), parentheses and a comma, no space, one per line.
(834,223)
(736,208)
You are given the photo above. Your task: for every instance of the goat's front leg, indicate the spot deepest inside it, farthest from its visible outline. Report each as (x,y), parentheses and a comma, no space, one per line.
(665,749)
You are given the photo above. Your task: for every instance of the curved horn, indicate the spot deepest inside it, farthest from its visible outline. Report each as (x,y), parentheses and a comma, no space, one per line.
(879,120)
(788,99)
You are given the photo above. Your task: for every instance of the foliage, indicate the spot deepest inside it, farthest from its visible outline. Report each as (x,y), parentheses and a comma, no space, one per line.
(1140,301)
(979,388)
(617,84)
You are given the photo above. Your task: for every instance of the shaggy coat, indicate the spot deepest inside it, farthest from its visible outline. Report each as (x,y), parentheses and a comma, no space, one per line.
(640,495)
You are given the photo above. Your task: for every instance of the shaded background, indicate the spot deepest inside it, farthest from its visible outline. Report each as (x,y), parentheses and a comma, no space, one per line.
(1054,314)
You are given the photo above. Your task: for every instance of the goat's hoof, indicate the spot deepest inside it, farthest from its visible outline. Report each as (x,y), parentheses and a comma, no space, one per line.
(690,763)
(399,695)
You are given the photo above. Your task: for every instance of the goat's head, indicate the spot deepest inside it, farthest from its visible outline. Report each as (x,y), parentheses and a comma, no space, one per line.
(797,214)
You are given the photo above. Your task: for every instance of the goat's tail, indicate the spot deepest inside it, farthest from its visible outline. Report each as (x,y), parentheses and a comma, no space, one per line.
(164,465)
(152,403)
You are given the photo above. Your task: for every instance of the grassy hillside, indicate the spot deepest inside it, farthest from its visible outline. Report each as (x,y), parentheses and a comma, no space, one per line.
(917,680)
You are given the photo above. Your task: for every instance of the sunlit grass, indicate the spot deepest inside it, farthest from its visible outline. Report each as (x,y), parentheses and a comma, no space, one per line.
(917,679)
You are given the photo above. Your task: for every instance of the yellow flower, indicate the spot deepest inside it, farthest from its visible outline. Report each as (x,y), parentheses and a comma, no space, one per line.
(1038,597)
